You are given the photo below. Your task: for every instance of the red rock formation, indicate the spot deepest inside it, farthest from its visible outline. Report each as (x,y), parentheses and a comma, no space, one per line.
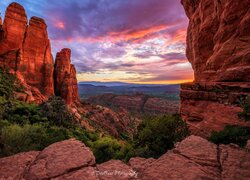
(25,48)
(193,158)
(14,26)
(218,39)
(218,49)
(37,61)
(1,29)
(65,77)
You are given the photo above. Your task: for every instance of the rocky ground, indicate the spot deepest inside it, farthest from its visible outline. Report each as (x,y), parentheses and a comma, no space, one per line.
(193,158)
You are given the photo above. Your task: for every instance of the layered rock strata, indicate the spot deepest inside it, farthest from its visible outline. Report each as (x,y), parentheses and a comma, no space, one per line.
(218,47)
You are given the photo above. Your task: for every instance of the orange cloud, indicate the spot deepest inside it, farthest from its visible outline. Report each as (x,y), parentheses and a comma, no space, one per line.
(128,34)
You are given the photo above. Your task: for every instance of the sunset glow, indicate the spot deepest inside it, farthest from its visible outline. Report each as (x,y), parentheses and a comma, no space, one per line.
(128,41)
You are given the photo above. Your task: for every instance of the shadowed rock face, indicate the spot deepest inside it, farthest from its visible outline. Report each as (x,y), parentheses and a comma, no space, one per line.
(218,47)
(65,77)
(25,49)
(193,158)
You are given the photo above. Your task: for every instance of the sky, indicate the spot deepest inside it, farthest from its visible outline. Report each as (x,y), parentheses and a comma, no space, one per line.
(135,41)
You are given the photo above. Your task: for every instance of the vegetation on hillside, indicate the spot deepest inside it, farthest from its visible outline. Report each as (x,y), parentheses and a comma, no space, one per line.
(157,134)
(26,127)
(245,114)
(231,134)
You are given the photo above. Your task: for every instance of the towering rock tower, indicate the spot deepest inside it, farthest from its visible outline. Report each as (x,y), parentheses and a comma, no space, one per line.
(218,47)
(65,77)
(26,50)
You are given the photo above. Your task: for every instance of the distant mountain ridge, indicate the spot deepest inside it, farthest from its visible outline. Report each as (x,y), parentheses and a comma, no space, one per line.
(117,83)
(88,90)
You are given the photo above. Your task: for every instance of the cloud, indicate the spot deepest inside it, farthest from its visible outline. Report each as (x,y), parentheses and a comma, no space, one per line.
(134,40)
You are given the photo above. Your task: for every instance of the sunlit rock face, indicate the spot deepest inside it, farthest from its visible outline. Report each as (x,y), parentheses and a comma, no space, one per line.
(65,77)
(25,50)
(219,50)
(218,39)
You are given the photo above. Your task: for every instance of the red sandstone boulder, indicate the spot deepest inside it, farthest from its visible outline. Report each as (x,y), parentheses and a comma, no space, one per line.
(65,77)
(13,167)
(115,169)
(193,158)
(60,158)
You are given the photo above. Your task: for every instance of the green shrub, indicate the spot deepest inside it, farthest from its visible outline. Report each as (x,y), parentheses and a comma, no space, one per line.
(156,135)
(108,148)
(246,110)
(56,111)
(8,84)
(231,134)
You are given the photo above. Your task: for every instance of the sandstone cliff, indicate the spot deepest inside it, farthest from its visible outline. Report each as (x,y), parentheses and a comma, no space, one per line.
(65,77)
(193,158)
(218,47)
(25,49)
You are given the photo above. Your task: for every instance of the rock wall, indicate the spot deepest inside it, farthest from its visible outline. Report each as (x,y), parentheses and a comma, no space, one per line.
(193,158)
(218,47)
(25,49)
(65,77)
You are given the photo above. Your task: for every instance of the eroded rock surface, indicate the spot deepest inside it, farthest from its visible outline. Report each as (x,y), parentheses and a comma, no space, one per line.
(217,39)
(25,49)
(193,158)
(65,77)
(218,47)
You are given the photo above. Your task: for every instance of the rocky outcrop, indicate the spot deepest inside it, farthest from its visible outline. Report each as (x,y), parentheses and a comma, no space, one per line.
(193,158)
(115,123)
(65,77)
(210,107)
(218,39)
(218,49)
(25,49)
(36,63)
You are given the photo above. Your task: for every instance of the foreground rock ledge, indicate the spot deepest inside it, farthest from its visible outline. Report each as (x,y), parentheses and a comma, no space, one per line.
(193,158)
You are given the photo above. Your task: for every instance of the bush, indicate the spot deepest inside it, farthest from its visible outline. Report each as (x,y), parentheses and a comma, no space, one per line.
(15,138)
(231,134)
(20,113)
(108,148)
(8,84)
(56,111)
(156,135)
(246,110)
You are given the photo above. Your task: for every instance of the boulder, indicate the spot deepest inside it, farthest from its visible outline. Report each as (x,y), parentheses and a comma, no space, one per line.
(60,158)
(14,167)
(193,158)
